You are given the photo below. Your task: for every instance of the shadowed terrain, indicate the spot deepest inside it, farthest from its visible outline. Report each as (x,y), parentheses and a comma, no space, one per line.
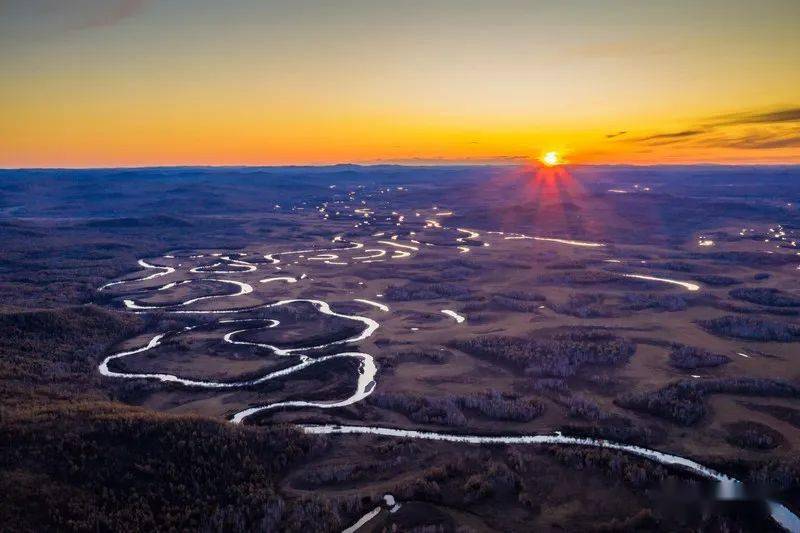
(185,348)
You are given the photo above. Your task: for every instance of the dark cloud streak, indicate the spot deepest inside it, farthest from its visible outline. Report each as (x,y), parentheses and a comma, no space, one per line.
(767,130)
(671,136)
(791,114)
(757,141)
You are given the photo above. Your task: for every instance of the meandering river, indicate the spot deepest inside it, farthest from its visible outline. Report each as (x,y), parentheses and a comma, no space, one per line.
(365,378)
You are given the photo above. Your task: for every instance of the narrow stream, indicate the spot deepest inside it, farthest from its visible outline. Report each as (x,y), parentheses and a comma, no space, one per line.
(780,513)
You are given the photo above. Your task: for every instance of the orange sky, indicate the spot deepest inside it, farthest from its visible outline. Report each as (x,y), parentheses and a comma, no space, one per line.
(137,82)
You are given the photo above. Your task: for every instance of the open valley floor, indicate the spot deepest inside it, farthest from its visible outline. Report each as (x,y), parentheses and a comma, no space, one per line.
(401,348)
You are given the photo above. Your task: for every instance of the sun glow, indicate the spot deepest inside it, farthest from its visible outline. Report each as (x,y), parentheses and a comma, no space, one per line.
(551,159)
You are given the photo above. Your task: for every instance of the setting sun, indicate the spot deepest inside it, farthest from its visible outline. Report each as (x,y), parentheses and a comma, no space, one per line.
(551,159)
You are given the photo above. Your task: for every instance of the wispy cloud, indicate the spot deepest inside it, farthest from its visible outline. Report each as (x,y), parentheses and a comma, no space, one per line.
(46,16)
(791,114)
(112,13)
(617,134)
(670,136)
(747,130)
(756,140)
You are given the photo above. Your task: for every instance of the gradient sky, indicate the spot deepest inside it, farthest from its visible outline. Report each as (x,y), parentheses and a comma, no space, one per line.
(138,82)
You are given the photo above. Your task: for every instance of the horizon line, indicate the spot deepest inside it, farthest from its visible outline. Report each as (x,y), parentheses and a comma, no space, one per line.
(400,164)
